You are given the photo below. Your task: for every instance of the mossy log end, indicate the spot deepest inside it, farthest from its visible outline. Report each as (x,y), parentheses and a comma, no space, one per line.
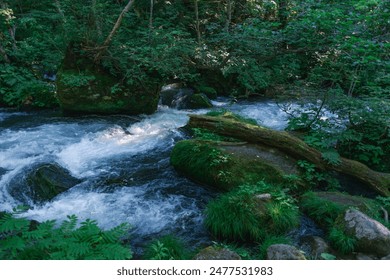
(294,147)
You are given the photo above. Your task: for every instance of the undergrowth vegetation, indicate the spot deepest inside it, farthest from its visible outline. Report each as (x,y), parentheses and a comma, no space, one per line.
(21,239)
(239,215)
(167,247)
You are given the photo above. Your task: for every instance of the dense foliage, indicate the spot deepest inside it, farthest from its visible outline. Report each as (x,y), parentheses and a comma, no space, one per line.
(21,239)
(238,215)
(237,47)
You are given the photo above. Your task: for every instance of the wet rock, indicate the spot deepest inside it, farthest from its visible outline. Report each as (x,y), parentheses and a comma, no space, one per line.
(42,183)
(315,246)
(372,237)
(212,253)
(284,252)
(386,258)
(184,98)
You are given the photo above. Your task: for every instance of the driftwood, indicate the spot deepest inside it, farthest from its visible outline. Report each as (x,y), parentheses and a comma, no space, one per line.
(293,146)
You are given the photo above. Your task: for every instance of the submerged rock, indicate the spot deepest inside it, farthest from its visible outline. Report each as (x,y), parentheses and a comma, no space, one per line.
(43,183)
(212,253)
(372,237)
(284,252)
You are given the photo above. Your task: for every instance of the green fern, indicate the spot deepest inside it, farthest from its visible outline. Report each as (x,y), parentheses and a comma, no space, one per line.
(18,240)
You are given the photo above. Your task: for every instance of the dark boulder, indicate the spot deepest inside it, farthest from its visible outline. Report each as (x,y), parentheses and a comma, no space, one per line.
(42,183)
(184,98)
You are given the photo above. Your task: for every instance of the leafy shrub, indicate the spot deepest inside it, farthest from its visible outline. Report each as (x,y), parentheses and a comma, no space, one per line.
(237,215)
(166,248)
(20,240)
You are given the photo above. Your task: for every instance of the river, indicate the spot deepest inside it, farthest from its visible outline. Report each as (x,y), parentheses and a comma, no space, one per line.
(123,164)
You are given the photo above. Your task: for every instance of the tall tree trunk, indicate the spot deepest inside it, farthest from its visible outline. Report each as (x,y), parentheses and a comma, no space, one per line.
(151,14)
(229,12)
(292,146)
(95,20)
(108,40)
(197,23)
(4,54)
(283,13)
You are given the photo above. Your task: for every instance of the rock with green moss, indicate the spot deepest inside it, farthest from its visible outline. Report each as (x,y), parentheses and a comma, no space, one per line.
(209,91)
(184,98)
(226,165)
(199,100)
(372,237)
(42,183)
(86,87)
(326,207)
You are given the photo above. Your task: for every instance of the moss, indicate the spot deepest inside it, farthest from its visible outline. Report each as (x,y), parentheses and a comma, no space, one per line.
(238,215)
(209,91)
(207,162)
(229,115)
(198,101)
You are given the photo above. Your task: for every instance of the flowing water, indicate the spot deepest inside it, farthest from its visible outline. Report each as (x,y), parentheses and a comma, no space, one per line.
(123,165)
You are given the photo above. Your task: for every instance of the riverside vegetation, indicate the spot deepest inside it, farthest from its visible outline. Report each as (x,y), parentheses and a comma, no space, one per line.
(327,61)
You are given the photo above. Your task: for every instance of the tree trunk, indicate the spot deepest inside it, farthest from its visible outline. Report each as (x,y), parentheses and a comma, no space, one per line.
(229,11)
(197,24)
(151,14)
(4,54)
(380,182)
(108,40)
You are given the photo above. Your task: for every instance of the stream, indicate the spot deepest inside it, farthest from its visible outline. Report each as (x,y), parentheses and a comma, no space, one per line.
(123,164)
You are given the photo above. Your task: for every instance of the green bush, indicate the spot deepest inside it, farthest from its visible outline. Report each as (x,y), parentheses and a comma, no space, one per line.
(166,248)
(22,240)
(238,215)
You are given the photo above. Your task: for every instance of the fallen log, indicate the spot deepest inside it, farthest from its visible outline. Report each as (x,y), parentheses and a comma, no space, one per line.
(294,147)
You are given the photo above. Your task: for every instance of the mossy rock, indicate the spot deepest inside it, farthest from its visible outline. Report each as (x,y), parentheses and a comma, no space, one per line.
(184,98)
(42,183)
(199,100)
(371,236)
(228,165)
(209,91)
(326,207)
(85,87)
